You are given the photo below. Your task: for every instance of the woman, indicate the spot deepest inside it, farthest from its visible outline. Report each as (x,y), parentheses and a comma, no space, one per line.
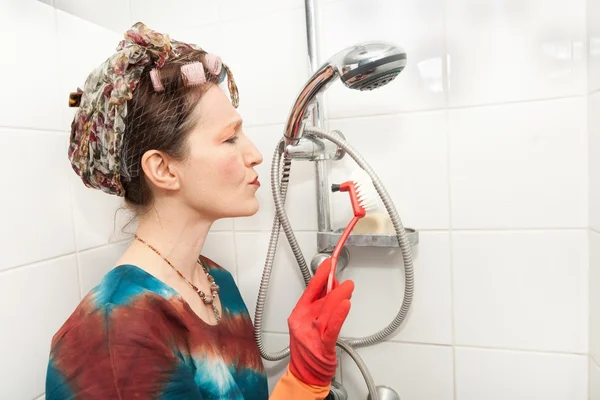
(154,127)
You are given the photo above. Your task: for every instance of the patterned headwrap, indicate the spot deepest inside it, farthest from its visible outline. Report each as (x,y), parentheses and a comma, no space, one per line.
(99,124)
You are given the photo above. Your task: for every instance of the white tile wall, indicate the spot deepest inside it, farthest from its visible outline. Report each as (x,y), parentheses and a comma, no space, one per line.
(495,375)
(594,159)
(510,287)
(267,56)
(519,165)
(594,291)
(35,300)
(593,27)
(594,381)
(415,372)
(415,25)
(409,154)
(275,342)
(30,90)
(111,14)
(109,222)
(239,9)
(82,47)
(36,228)
(380,287)
(179,14)
(515,50)
(286,284)
(209,37)
(95,263)
(593,120)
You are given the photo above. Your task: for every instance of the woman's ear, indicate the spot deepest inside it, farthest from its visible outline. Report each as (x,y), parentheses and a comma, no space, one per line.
(159,170)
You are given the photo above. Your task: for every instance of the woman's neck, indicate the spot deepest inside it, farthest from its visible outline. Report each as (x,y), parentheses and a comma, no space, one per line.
(178,236)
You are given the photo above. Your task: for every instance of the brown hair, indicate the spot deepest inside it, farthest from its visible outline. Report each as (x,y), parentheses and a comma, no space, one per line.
(158,121)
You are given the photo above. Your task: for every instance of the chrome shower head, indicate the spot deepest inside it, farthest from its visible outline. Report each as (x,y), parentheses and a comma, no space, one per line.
(365,66)
(370,65)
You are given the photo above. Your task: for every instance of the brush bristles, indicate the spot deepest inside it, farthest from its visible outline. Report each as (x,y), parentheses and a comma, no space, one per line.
(366,192)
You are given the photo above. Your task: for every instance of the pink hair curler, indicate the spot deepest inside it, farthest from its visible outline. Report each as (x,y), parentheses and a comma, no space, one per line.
(213,64)
(193,74)
(156,81)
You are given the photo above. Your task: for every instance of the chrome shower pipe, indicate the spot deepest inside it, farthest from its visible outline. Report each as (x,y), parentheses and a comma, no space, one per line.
(321,166)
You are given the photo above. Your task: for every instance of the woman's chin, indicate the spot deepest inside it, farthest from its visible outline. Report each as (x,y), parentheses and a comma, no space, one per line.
(249,210)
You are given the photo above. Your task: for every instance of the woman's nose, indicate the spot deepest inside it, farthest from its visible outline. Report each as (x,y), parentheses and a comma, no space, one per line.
(254,155)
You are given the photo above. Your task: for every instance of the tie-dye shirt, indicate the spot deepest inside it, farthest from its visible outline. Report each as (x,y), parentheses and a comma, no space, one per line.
(133,336)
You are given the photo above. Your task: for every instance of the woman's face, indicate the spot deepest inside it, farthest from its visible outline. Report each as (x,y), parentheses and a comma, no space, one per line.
(218,178)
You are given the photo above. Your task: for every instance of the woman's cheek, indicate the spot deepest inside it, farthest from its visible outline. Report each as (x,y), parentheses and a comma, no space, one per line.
(232,168)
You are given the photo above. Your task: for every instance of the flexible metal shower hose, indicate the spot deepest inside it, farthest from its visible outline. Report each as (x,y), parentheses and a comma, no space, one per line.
(279,191)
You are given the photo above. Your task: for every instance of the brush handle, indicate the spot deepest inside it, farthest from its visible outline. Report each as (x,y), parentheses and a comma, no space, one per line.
(338,249)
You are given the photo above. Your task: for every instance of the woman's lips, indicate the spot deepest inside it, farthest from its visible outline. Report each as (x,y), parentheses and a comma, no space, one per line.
(255,182)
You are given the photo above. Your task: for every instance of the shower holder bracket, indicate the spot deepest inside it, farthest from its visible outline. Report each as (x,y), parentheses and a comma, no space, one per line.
(367,240)
(312,148)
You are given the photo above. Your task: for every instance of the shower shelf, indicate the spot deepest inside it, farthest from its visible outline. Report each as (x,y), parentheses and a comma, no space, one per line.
(362,240)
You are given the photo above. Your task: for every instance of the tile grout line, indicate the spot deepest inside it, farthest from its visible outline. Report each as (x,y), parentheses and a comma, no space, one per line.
(450,220)
(466,107)
(498,349)
(446,78)
(63,255)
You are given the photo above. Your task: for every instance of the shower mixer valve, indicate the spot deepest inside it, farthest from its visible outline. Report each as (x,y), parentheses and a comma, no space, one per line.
(312,148)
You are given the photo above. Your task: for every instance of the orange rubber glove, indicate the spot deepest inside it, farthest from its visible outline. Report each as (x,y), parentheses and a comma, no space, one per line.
(315,325)
(290,388)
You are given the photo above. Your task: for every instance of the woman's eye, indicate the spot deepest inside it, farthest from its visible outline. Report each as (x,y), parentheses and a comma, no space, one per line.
(232,139)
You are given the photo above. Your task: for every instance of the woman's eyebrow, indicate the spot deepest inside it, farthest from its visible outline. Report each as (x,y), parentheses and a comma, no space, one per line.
(233,125)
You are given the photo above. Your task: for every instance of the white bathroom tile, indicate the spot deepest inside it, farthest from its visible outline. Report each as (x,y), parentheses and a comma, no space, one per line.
(594,159)
(36,300)
(235,9)
(593,27)
(82,46)
(594,290)
(30,89)
(175,15)
(209,38)
(594,380)
(275,342)
(414,25)
(510,286)
(37,222)
(409,154)
(95,263)
(267,56)
(497,374)
(415,372)
(286,284)
(519,165)
(301,203)
(378,275)
(220,247)
(514,50)
(100,218)
(110,14)
(42,397)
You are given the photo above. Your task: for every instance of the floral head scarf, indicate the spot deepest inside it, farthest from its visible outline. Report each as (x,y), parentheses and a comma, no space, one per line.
(99,124)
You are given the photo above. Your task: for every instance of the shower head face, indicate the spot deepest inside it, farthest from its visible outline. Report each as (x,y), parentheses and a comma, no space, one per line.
(369,66)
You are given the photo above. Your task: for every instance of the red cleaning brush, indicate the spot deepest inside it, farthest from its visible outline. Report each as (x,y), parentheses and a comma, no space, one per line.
(363,197)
